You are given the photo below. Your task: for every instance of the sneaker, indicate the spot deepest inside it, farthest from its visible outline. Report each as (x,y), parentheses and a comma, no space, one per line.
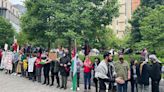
(71,88)
(78,88)
(61,87)
(58,86)
(19,75)
(15,74)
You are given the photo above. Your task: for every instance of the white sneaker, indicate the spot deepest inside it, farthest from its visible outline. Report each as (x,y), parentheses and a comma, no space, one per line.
(78,88)
(71,88)
(15,74)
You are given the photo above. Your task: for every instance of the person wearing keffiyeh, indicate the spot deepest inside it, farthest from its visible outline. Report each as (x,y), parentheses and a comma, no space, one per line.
(155,73)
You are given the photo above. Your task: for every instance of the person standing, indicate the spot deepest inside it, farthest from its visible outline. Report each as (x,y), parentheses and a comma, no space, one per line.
(31,67)
(143,74)
(65,63)
(144,54)
(15,62)
(112,75)
(0,55)
(95,80)
(55,72)
(46,70)
(104,72)
(38,69)
(87,73)
(133,78)
(155,73)
(123,74)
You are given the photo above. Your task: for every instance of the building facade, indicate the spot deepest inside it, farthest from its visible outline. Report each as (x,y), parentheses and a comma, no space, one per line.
(8,11)
(120,24)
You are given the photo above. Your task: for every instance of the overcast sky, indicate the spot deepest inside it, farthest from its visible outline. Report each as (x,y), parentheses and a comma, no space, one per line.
(17,1)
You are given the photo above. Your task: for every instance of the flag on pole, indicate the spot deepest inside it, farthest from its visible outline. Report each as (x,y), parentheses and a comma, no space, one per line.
(74,68)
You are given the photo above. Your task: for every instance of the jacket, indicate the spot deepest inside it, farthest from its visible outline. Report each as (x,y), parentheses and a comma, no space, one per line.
(64,71)
(156,71)
(55,66)
(143,78)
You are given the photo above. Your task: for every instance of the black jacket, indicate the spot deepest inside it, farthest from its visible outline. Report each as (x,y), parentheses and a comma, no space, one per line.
(64,71)
(156,71)
(132,73)
(55,66)
(144,77)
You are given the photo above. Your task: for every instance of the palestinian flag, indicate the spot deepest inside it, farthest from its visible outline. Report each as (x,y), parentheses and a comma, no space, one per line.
(74,69)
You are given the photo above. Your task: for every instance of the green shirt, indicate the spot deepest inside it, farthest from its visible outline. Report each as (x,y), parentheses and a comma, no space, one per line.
(122,70)
(23,57)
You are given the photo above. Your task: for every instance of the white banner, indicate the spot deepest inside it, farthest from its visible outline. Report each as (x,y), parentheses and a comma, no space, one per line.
(31,62)
(6,61)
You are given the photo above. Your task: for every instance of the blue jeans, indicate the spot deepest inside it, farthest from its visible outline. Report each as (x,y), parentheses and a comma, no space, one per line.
(122,87)
(87,80)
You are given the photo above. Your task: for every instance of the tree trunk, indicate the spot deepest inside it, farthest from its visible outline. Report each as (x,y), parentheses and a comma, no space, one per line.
(49,46)
(69,46)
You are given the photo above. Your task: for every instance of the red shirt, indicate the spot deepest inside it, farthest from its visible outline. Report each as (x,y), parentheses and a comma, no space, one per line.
(87,69)
(15,46)
(0,54)
(87,65)
(38,60)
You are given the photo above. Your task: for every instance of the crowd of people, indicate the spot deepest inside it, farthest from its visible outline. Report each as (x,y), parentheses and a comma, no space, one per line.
(106,74)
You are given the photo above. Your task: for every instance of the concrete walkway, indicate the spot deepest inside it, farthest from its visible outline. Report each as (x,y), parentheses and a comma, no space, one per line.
(10,83)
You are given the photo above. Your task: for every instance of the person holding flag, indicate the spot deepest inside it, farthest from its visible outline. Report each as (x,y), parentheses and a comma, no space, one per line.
(76,67)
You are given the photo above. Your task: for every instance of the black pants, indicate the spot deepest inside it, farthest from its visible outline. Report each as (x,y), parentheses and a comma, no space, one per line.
(46,71)
(95,80)
(102,85)
(64,81)
(155,86)
(31,76)
(57,77)
(134,85)
(14,67)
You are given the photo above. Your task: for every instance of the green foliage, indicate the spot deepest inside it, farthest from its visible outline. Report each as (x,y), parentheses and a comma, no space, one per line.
(152,3)
(137,17)
(147,26)
(152,28)
(69,20)
(21,38)
(6,32)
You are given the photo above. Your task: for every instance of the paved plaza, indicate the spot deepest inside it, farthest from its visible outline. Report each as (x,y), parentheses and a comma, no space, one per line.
(10,83)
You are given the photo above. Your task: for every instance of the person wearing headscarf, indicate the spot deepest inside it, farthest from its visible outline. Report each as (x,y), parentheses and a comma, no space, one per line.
(155,73)
(143,75)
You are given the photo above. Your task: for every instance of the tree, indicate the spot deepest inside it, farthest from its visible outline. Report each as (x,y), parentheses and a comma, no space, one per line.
(138,16)
(68,19)
(6,32)
(152,28)
(152,3)
(36,21)
(84,19)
